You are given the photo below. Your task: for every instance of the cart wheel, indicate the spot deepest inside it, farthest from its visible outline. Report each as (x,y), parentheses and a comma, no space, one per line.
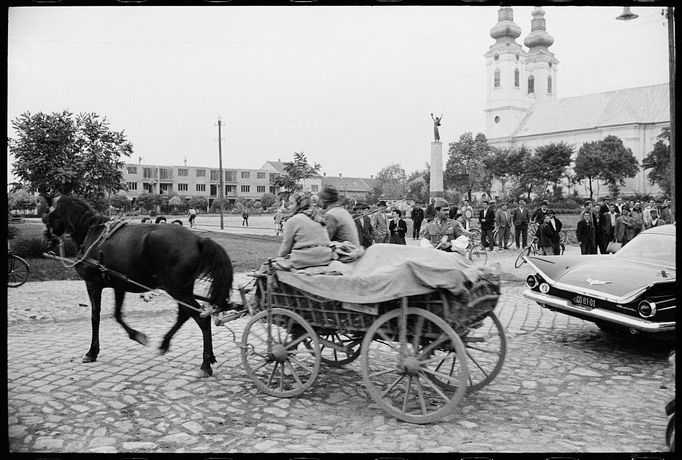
(478,254)
(486,347)
(398,365)
(273,355)
(338,358)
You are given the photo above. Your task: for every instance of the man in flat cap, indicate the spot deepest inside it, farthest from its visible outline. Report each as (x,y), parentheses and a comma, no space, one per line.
(339,223)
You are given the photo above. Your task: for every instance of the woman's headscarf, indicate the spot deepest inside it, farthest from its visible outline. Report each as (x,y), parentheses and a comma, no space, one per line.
(303,204)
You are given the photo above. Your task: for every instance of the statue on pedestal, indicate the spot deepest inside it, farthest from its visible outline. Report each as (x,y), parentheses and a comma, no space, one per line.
(436,124)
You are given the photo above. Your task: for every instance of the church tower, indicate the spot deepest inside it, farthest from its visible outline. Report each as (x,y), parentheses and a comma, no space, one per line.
(506,101)
(541,65)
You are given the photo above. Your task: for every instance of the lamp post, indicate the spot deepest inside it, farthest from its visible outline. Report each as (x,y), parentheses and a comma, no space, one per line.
(669,13)
(220,167)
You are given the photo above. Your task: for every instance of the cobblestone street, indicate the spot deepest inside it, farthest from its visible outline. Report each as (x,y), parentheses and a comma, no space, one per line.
(565,387)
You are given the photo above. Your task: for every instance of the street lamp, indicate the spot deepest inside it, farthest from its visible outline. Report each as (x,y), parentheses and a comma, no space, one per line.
(669,13)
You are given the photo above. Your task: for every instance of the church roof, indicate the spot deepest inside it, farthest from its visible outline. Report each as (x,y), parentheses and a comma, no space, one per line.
(644,104)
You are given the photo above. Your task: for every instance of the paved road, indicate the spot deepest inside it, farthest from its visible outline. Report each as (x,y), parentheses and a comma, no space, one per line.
(565,387)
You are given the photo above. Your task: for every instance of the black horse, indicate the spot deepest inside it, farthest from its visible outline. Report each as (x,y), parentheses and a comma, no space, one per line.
(138,258)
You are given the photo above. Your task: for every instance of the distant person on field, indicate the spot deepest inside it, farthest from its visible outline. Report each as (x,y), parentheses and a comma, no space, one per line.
(192,215)
(245,217)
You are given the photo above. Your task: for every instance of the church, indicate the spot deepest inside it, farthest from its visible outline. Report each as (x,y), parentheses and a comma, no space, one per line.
(522,107)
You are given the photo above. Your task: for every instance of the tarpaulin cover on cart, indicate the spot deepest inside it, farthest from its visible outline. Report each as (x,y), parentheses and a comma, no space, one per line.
(389,271)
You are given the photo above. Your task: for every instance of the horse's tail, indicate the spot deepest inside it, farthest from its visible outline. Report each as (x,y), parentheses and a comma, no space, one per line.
(215,264)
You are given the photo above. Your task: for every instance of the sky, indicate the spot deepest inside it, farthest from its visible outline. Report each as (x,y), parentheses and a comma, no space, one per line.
(351,87)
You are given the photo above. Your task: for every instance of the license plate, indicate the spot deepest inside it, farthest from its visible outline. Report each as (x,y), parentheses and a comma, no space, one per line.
(584,301)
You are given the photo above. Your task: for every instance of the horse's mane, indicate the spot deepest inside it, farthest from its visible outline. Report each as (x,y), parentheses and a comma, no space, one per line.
(89,215)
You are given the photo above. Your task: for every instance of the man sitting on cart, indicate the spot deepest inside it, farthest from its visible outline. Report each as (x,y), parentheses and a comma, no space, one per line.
(442,232)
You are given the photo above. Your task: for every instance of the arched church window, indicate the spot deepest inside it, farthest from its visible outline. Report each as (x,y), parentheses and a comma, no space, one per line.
(496,57)
(531,84)
(516,78)
(497,78)
(549,84)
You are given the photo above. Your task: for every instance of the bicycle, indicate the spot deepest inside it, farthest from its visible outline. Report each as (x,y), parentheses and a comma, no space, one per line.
(17,270)
(568,237)
(533,250)
(474,251)
(509,241)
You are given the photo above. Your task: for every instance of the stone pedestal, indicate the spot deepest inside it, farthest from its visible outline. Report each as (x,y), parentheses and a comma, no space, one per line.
(436,184)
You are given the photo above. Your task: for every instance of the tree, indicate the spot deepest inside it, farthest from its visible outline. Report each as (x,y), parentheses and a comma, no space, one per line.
(465,169)
(63,153)
(294,173)
(588,164)
(392,180)
(198,202)
(149,201)
(497,163)
(21,200)
(619,163)
(120,202)
(531,172)
(554,162)
(267,200)
(658,161)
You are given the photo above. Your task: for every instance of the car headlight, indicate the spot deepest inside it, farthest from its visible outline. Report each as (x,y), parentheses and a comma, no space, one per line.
(646,309)
(544,288)
(531,281)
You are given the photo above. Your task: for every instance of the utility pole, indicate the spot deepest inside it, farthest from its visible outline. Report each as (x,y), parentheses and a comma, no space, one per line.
(220,165)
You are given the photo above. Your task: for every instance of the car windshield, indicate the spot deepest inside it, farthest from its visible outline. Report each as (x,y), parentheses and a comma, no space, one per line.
(650,247)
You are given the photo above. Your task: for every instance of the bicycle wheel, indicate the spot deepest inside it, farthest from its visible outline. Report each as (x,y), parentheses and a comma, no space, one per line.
(475,235)
(563,237)
(17,271)
(477,254)
(571,238)
(522,253)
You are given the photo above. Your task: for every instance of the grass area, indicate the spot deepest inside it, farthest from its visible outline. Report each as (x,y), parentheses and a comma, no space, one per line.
(247,252)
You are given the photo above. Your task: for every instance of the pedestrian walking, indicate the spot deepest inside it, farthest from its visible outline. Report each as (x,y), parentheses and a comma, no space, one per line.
(191,215)
(417,216)
(245,217)
(521,218)
(486,220)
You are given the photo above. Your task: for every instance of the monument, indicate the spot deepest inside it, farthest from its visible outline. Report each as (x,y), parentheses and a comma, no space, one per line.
(436,183)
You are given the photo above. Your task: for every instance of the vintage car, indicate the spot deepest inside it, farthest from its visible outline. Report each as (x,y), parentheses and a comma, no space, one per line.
(633,289)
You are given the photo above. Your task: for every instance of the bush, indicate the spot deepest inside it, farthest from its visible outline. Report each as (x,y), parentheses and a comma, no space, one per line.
(33,247)
(12,232)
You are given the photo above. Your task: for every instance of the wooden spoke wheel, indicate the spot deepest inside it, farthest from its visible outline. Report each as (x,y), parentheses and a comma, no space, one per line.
(486,348)
(477,254)
(329,351)
(274,356)
(399,365)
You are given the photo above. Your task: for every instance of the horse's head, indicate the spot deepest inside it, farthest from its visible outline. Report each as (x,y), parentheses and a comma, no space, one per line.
(65,215)
(55,224)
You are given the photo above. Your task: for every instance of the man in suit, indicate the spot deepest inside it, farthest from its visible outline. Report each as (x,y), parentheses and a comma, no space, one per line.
(521,218)
(609,224)
(585,233)
(486,219)
(380,224)
(655,220)
(503,223)
(417,216)
(539,214)
(364,226)
(594,213)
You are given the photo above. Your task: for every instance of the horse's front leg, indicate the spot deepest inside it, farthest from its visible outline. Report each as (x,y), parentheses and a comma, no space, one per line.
(95,294)
(137,336)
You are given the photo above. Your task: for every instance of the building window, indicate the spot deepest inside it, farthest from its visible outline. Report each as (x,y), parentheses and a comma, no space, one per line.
(516,78)
(132,169)
(272,189)
(165,174)
(215,174)
(147,187)
(183,187)
(531,84)
(230,189)
(231,176)
(165,188)
(549,84)
(497,78)
(149,173)
(260,175)
(214,190)
(201,173)
(201,187)
(182,172)
(246,188)
(260,188)
(246,174)
(131,186)
(497,119)
(314,188)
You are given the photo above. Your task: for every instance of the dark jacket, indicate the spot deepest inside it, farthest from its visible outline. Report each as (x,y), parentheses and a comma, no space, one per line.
(365,230)
(417,214)
(585,232)
(520,217)
(489,217)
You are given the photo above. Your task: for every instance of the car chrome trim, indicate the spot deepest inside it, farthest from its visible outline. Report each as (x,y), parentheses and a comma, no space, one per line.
(599,313)
(629,297)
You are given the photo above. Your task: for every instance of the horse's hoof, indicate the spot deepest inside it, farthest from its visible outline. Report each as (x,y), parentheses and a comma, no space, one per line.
(205,373)
(88,359)
(162,351)
(140,338)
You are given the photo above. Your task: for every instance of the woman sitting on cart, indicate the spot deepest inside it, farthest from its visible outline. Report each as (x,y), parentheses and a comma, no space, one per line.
(305,240)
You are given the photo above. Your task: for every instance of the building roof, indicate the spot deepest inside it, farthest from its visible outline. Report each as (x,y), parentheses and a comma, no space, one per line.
(349,184)
(644,104)
(278,166)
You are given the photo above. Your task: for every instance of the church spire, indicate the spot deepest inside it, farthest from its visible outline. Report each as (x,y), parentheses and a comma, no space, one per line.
(505,29)
(538,36)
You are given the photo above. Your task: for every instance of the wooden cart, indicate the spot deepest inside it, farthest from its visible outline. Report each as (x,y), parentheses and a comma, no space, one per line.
(420,354)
